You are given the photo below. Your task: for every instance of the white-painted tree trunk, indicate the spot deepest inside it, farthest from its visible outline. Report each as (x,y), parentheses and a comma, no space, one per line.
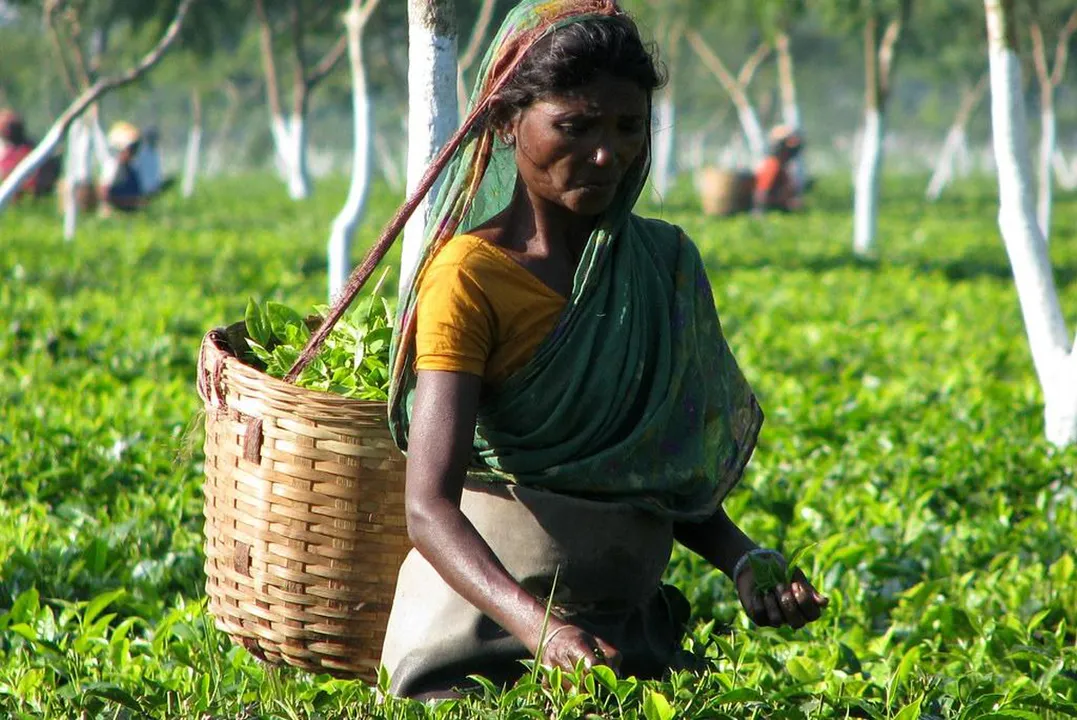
(790,103)
(866,201)
(663,142)
(388,165)
(962,157)
(1066,175)
(346,223)
(432,110)
(191,158)
(1048,141)
(1053,353)
(78,171)
(753,130)
(59,129)
(25,170)
(290,143)
(946,165)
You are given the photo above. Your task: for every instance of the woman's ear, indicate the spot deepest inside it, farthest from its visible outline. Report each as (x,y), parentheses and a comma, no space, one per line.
(505,128)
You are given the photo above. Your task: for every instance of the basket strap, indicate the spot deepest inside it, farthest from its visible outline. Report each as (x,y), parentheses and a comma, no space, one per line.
(365,269)
(211,371)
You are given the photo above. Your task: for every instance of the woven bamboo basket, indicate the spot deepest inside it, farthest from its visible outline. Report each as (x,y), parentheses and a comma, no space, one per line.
(304,516)
(725,192)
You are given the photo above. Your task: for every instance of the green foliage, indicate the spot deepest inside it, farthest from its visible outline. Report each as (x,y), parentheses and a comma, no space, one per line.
(353,361)
(903,438)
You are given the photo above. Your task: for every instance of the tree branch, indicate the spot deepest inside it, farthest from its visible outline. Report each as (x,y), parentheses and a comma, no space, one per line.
(752,64)
(269,62)
(1062,49)
(888,48)
(75,42)
(713,62)
(971,98)
(1039,54)
(478,35)
(88,98)
(872,82)
(51,8)
(329,62)
(300,86)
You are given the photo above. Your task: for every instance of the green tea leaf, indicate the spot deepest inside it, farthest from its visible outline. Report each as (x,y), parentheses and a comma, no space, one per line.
(257,325)
(656,706)
(281,317)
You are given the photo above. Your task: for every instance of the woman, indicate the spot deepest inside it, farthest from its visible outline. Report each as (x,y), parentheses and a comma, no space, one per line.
(561,384)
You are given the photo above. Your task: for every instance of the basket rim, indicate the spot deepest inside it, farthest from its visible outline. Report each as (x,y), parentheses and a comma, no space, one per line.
(218,338)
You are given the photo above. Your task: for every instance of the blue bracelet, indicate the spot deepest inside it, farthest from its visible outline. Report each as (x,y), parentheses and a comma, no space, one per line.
(756,552)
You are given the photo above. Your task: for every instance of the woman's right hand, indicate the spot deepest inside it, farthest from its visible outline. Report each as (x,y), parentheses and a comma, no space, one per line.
(566,645)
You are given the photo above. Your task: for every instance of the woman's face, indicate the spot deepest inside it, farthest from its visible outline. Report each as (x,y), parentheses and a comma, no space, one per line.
(574,149)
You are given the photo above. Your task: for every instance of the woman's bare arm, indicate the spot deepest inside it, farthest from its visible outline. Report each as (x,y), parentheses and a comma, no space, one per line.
(720,542)
(717,540)
(439,448)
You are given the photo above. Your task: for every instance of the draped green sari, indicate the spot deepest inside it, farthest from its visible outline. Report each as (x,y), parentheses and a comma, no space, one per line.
(635,395)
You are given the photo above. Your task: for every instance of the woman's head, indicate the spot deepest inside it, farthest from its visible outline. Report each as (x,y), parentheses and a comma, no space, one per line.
(12,129)
(577,110)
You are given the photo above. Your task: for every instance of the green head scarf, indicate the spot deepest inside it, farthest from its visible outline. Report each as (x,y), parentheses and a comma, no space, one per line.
(635,395)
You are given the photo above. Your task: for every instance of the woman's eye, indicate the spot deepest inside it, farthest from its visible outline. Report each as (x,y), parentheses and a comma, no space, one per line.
(573,128)
(631,127)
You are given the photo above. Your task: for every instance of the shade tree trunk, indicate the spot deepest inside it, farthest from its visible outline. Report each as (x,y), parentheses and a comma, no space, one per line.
(75,110)
(1049,77)
(955,147)
(787,86)
(472,52)
(879,58)
(737,87)
(1054,354)
(1065,172)
(391,167)
(432,110)
(347,221)
(664,124)
(289,130)
(193,154)
(216,152)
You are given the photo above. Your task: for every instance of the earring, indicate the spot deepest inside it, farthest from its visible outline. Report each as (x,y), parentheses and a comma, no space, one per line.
(509,139)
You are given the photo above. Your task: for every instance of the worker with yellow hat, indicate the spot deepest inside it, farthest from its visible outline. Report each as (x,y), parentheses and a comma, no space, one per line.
(121,188)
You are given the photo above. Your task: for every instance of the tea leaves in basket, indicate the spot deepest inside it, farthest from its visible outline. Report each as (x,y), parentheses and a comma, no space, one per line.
(353,361)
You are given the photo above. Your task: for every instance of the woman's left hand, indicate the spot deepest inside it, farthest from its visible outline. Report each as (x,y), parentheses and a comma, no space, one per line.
(795,603)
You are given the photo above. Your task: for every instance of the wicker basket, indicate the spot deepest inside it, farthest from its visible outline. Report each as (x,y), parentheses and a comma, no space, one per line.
(304,508)
(725,192)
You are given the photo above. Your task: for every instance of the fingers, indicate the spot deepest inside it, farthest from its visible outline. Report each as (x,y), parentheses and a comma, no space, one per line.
(800,579)
(805,601)
(774,612)
(794,604)
(758,611)
(790,608)
(611,655)
(574,646)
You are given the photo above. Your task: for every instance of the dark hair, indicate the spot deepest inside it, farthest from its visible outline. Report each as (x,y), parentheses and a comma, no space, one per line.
(570,57)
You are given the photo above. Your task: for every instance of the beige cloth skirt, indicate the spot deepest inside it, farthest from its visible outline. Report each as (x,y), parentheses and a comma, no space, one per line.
(609,558)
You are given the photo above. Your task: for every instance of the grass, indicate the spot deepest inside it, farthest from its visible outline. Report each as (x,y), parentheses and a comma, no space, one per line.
(903,438)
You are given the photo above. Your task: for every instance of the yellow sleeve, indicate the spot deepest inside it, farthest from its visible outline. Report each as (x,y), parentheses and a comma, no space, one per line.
(455,321)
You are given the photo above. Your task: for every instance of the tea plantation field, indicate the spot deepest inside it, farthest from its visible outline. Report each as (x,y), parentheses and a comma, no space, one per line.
(903,438)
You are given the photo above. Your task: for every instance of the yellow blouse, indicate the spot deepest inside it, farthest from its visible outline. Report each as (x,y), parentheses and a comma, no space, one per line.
(480,312)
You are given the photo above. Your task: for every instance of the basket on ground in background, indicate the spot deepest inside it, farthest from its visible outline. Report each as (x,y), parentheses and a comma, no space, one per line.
(304,515)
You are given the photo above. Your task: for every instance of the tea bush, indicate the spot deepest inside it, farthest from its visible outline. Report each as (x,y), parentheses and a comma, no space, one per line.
(903,444)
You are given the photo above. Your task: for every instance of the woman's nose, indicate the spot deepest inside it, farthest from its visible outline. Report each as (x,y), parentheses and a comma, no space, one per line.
(604,155)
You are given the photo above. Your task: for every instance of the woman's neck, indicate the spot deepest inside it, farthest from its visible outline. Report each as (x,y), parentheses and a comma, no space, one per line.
(534,224)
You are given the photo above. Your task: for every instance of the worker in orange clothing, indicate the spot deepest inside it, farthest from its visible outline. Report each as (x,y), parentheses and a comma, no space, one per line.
(776,187)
